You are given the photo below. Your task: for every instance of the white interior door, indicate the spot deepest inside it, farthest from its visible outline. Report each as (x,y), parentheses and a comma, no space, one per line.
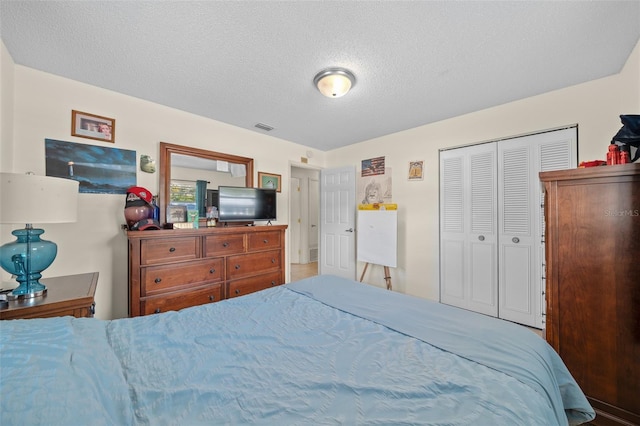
(518,254)
(314,216)
(491,226)
(468,229)
(337,222)
(294,221)
(521,247)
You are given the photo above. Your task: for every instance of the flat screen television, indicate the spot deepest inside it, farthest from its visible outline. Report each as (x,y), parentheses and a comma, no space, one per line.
(239,204)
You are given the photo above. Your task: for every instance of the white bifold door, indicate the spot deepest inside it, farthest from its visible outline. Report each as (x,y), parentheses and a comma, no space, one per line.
(491,223)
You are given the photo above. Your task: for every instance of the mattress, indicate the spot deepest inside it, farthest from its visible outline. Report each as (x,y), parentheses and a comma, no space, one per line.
(324,350)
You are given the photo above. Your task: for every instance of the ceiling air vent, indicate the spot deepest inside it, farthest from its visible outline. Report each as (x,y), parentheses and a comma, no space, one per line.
(264,127)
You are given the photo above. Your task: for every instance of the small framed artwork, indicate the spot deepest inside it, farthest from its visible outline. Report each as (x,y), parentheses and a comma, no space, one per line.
(176,214)
(416,170)
(92,126)
(269,181)
(373,166)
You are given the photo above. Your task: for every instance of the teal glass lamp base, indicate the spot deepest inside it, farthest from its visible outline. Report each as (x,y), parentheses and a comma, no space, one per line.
(26,258)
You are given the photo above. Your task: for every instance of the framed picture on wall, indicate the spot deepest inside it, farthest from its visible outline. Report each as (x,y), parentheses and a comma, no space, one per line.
(269,180)
(100,169)
(416,170)
(92,126)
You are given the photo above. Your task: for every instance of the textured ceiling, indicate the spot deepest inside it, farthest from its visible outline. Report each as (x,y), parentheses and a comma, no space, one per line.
(248,62)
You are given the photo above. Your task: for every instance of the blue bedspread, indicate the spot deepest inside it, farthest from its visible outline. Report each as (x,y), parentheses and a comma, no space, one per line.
(320,351)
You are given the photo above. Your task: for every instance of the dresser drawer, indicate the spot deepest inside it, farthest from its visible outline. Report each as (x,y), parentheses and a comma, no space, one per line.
(169,250)
(181,300)
(156,279)
(222,245)
(249,285)
(251,264)
(264,240)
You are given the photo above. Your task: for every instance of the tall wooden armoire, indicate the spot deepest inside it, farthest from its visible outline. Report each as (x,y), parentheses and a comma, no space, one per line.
(593,284)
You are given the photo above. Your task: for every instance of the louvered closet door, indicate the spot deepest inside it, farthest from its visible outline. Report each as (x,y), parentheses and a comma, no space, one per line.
(520,216)
(468,248)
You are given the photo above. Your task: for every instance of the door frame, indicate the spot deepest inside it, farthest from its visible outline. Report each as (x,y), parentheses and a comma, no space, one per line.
(297,165)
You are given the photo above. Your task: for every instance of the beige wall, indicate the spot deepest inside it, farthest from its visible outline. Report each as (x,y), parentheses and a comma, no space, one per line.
(42,109)
(6,108)
(594,106)
(36,105)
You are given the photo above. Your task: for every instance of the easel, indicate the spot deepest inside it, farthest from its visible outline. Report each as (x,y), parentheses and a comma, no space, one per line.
(378,237)
(387,275)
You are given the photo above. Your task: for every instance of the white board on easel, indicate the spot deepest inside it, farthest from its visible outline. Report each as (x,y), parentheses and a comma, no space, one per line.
(378,237)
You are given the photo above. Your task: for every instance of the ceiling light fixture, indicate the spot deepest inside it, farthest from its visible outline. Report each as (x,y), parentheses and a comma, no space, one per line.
(334,82)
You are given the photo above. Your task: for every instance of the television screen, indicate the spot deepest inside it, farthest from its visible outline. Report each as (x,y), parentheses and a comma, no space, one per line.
(239,204)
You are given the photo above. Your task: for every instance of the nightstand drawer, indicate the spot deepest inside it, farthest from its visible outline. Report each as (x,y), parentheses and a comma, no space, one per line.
(250,264)
(264,240)
(162,278)
(169,250)
(181,300)
(222,245)
(250,285)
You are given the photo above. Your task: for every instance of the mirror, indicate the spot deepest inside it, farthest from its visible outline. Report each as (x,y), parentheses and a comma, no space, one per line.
(191,164)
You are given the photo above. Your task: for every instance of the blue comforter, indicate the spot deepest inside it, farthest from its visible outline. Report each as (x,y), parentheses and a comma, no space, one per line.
(320,351)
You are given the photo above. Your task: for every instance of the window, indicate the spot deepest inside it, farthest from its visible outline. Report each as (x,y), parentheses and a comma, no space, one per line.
(182,193)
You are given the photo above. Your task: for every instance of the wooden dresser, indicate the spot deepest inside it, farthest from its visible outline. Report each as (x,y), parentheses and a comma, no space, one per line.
(593,284)
(175,269)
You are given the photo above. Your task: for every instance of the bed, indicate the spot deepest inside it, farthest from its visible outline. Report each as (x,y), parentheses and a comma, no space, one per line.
(323,350)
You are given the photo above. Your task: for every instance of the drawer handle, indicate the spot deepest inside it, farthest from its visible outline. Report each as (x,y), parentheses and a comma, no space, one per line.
(172,249)
(212,271)
(237,291)
(237,266)
(225,244)
(265,241)
(212,298)
(157,280)
(273,260)
(157,311)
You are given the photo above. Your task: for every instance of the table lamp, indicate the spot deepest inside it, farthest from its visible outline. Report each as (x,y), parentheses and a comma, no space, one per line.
(27,198)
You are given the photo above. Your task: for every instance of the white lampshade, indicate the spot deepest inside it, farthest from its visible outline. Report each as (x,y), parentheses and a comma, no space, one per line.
(27,198)
(334,82)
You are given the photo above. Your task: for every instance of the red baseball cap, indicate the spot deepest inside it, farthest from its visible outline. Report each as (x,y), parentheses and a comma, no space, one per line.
(137,195)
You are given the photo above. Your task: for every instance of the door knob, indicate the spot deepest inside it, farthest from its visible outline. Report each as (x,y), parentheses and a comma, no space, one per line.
(515,240)
(481,237)
(348,230)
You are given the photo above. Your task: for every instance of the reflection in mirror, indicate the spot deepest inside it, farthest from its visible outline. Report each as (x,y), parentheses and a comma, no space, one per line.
(189,178)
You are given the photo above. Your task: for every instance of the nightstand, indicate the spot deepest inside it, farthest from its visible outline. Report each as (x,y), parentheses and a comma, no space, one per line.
(69,295)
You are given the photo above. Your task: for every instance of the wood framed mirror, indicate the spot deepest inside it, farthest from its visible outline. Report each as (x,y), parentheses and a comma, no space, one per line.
(179,162)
